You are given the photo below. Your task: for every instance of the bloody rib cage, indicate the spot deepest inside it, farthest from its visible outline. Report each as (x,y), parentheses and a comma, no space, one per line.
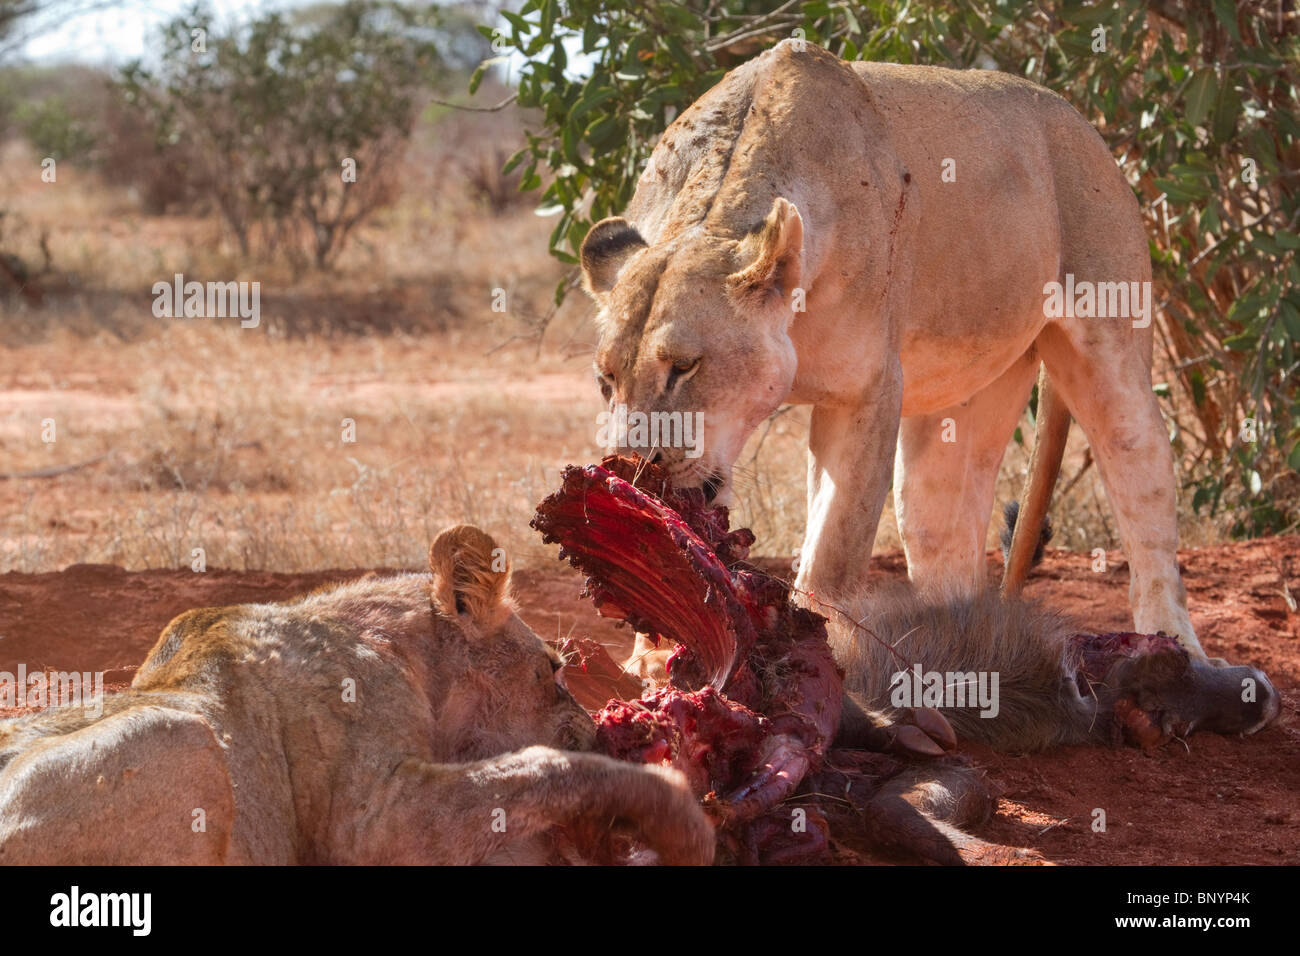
(754,693)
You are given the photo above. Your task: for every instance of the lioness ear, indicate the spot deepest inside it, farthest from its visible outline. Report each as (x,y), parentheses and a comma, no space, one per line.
(777,251)
(471,575)
(609,244)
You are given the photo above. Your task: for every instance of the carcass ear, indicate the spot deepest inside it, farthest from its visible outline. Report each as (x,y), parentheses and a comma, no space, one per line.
(775,254)
(608,246)
(471,576)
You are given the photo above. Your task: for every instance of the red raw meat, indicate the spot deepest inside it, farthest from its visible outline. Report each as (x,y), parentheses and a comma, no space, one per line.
(755,694)
(1099,652)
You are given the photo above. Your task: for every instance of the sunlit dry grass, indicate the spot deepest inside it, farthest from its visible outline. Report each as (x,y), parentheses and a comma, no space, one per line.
(196,434)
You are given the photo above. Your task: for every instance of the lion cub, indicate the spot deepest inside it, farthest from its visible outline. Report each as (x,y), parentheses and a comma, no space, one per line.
(404,719)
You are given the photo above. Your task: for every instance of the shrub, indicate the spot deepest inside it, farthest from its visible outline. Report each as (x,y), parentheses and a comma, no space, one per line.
(294,128)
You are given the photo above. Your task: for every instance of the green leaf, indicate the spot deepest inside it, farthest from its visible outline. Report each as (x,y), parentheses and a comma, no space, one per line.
(1227,112)
(1200,94)
(601,132)
(592,98)
(1245,308)
(1191,189)
(1226,12)
(514,161)
(521,26)
(1290,319)
(679,54)
(568,144)
(477,77)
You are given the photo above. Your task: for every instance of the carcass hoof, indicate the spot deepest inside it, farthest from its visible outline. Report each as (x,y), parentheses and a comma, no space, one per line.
(922,732)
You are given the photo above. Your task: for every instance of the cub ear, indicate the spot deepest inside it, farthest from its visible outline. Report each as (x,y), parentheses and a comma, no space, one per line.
(608,246)
(776,250)
(471,576)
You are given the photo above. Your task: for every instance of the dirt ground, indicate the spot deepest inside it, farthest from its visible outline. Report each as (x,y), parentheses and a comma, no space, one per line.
(1208,800)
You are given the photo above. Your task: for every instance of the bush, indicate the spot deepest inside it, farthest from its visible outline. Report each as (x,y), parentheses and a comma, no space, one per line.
(1197,101)
(277,115)
(55,130)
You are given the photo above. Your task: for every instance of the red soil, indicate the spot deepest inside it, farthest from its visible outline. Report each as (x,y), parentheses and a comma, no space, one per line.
(1214,800)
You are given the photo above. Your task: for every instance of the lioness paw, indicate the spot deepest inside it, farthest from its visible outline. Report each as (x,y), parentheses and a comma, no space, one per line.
(677,829)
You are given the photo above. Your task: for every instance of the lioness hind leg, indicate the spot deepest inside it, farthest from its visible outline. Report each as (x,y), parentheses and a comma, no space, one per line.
(1100,363)
(147,785)
(1103,371)
(944,477)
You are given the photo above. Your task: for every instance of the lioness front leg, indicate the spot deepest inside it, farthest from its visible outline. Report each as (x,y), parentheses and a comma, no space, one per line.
(450,814)
(850,461)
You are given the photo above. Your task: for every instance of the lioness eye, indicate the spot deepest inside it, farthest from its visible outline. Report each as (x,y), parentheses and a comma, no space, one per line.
(682,368)
(606,383)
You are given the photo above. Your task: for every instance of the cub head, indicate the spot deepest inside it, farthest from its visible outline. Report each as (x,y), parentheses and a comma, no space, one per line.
(695,349)
(510,693)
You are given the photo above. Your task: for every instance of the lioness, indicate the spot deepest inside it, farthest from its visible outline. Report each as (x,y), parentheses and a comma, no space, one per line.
(381,721)
(878,241)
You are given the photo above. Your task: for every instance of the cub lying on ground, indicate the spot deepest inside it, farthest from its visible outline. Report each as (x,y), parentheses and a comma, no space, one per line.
(381,721)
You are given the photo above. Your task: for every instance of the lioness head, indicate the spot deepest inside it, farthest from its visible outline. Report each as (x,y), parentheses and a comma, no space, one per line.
(695,349)
(511,693)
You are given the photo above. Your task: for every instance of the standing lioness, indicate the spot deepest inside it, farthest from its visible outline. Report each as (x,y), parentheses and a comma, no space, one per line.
(878,241)
(407,719)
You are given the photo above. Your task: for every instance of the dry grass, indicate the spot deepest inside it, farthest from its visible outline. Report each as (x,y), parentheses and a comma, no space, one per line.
(205,435)
(236,443)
